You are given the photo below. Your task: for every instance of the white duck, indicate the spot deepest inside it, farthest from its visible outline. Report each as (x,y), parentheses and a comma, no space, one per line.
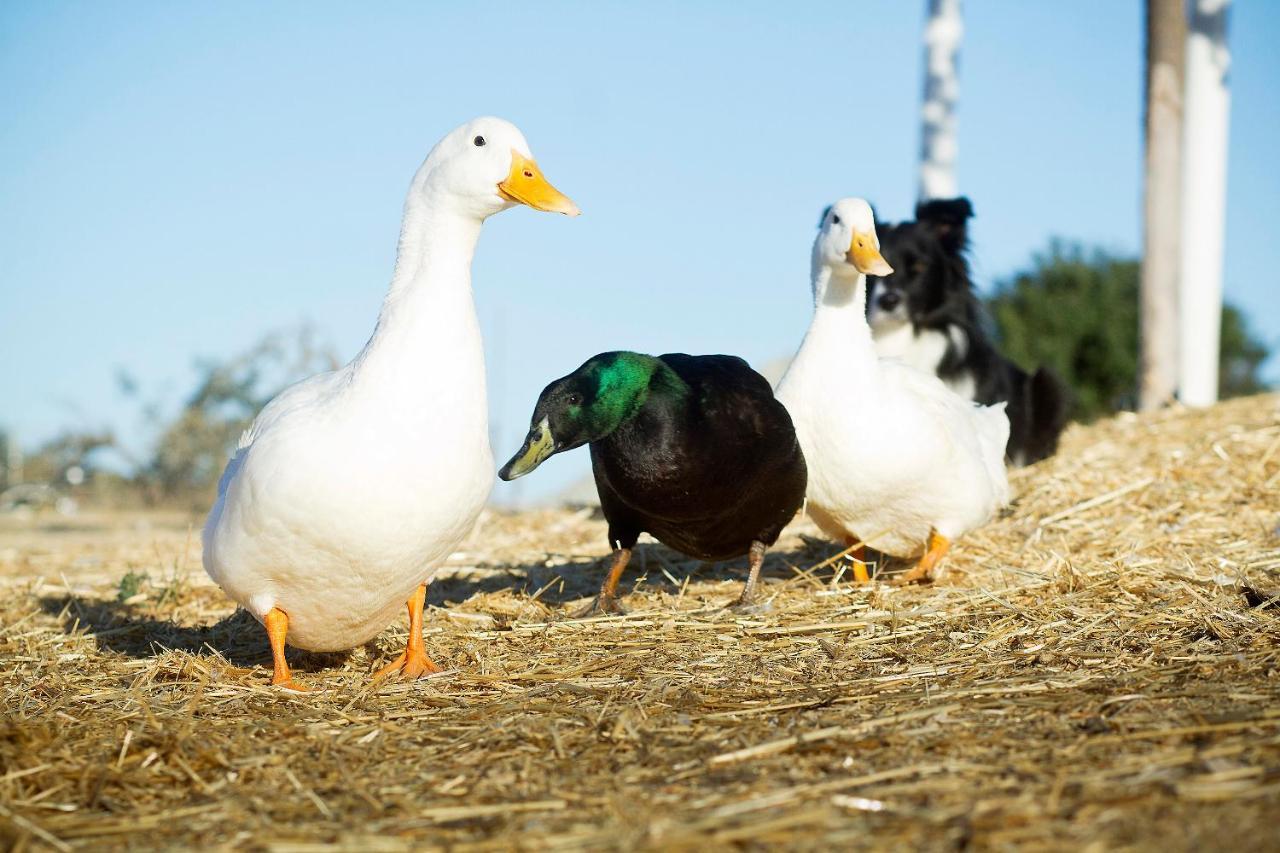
(352,487)
(896,459)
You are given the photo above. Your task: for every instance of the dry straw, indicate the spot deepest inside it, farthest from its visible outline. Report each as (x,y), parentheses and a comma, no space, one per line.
(1099,668)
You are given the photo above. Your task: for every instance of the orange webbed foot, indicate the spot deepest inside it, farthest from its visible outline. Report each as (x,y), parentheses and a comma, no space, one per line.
(925,571)
(606,603)
(601,605)
(412,663)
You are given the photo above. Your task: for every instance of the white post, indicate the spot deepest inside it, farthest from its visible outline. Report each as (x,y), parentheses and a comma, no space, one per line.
(1204,199)
(942,33)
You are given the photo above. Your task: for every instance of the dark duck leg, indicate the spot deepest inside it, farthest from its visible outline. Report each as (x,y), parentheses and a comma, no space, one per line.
(607,600)
(748,600)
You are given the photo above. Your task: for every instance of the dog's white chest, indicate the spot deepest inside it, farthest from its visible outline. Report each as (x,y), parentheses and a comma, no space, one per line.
(924,350)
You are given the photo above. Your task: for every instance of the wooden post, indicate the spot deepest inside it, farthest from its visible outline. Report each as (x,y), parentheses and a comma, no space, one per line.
(1158,317)
(1204,200)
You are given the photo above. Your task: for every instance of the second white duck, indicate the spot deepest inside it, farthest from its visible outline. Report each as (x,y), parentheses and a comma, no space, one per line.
(897,461)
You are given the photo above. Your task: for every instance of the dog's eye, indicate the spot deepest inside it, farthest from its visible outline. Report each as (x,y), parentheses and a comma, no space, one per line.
(835,220)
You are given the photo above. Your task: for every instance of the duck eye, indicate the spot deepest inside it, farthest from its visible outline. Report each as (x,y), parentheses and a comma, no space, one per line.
(478,141)
(575,399)
(835,220)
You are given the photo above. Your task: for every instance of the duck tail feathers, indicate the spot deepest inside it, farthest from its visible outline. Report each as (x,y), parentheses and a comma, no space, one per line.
(993,427)
(993,435)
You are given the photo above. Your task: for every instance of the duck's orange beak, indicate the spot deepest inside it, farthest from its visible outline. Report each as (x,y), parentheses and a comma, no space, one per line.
(865,255)
(526,185)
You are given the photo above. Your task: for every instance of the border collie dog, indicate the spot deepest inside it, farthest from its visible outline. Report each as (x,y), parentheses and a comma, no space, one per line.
(927,315)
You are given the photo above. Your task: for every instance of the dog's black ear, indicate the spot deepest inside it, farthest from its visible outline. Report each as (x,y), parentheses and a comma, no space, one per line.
(823,218)
(948,218)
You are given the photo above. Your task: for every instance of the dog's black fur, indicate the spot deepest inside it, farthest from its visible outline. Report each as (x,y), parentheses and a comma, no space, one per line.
(931,289)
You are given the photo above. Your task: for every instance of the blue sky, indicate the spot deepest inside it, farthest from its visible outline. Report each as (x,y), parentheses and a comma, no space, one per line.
(179,179)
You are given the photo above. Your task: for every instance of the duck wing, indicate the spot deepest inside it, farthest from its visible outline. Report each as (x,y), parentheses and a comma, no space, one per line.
(730,399)
(976,432)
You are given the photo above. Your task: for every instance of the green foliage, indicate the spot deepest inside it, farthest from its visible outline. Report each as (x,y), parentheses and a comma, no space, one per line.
(1242,356)
(71,448)
(172,588)
(8,457)
(130,585)
(1078,314)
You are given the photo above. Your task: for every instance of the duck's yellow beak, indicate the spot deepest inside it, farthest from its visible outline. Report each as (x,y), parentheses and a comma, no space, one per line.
(537,447)
(525,185)
(866,257)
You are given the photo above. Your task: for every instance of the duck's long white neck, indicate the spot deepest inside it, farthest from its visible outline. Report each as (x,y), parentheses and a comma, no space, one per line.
(838,341)
(426,355)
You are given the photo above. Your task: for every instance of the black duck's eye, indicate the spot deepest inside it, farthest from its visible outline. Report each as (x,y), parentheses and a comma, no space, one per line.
(575,399)
(479,140)
(835,220)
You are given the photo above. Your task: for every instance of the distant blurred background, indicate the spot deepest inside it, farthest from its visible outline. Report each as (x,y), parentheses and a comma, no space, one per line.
(200,202)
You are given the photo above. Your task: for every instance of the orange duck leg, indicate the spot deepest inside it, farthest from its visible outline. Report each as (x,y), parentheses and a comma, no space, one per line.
(413,661)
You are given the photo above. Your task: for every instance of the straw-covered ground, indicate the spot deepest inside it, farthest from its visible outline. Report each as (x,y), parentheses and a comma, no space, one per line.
(1099,668)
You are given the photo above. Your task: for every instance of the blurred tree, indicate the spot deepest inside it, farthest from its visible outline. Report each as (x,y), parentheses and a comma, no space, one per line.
(10,460)
(1240,356)
(1079,315)
(68,451)
(192,449)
